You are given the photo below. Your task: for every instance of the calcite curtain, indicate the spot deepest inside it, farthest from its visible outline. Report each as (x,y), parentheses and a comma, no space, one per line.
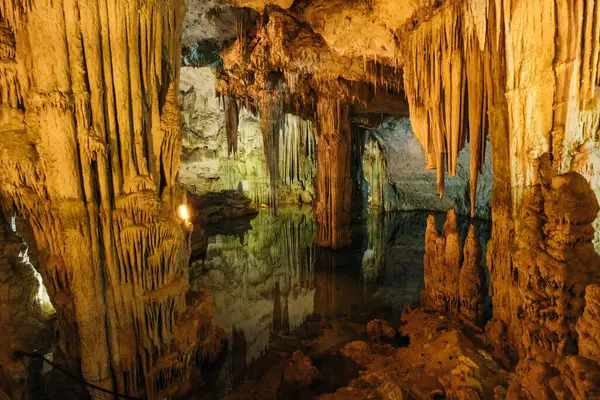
(89,154)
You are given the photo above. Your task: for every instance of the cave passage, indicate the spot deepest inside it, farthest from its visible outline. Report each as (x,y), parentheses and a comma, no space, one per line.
(300,199)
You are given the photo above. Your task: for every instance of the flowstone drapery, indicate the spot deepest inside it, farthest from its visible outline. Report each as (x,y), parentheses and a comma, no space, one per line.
(89,154)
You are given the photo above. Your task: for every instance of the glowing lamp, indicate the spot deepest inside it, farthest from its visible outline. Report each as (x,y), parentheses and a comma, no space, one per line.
(245,186)
(183,213)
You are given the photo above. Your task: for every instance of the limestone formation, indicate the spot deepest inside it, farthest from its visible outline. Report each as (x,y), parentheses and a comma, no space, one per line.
(454,280)
(333,181)
(90,149)
(300,373)
(89,155)
(439,361)
(393,167)
(206,162)
(554,261)
(443,256)
(316,83)
(26,315)
(378,329)
(471,288)
(588,325)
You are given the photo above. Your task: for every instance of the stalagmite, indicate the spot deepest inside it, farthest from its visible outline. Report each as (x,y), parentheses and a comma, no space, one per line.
(443,256)
(334,179)
(454,281)
(472,280)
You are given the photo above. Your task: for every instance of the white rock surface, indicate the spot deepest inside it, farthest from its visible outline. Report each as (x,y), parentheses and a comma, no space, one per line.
(412,187)
(205,163)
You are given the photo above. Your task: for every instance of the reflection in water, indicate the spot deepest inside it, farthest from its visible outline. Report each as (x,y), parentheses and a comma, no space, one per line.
(238,363)
(242,275)
(271,280)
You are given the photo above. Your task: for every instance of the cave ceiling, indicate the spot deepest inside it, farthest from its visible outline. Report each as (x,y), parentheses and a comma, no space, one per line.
(345,49)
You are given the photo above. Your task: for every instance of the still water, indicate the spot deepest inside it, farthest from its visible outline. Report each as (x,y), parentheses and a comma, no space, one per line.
(275,292)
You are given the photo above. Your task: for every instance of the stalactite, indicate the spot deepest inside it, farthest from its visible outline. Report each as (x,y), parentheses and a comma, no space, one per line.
(477,112)
(334,178)
(296,147)
(375,170)
(231,123)
(271,120)
(444,83)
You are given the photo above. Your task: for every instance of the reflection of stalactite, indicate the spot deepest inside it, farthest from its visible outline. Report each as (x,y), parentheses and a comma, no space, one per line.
(286,317)
(276,326)
(334,179)
(238,357)
(338,281)
(325,296)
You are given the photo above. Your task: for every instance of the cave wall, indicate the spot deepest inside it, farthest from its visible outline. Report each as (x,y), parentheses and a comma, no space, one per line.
(207,164)
(528,71)
(393,167)
(26,314)
(550,80)
(89,154)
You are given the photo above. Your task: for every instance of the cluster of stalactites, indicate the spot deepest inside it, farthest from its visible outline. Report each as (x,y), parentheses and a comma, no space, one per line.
(444,83)
(296,146)
(230,107)
(271,123)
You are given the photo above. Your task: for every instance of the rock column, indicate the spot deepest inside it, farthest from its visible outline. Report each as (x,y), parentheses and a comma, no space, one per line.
(89,154)
(334,174)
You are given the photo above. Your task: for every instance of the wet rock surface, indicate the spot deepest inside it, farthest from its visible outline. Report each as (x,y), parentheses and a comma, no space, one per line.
(217,206)
(27,318)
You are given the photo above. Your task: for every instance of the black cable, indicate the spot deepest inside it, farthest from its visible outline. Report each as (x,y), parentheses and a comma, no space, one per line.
(36,354)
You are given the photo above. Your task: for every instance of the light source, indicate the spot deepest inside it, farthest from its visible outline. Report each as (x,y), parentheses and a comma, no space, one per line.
(183,213)
(245,186)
